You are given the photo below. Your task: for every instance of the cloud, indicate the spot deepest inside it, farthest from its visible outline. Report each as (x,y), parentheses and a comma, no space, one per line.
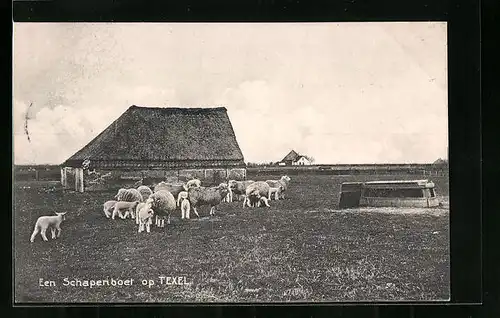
(342,93)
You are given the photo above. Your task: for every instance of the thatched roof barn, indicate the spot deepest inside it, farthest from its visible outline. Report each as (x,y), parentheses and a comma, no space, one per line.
(145,139)
(290,157)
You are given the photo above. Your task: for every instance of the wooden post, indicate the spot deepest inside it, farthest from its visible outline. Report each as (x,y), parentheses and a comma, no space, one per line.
(36,175)
(63,177)
(79,180)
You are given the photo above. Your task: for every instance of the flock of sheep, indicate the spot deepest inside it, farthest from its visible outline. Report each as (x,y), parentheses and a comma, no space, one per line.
(144,203)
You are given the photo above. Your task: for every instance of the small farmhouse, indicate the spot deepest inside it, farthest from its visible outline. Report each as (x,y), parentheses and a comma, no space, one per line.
(150,144)
(294,159)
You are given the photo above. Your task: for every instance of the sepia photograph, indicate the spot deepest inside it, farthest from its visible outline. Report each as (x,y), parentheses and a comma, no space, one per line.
(230,163)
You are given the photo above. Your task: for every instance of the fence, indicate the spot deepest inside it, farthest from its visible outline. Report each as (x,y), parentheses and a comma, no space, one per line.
(52,173)
(37,173)
(394,169)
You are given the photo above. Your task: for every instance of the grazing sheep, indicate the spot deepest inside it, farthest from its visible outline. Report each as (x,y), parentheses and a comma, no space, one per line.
(163,204)
(182,195)
(185,208)
(276,191)
(254,191)
(145,192)
(128,207)
(174,189)
(207,196)
(238,188)
(108,207)
(283,181)
(145,216)
(44,222)
(194,183)
(260,187)
(128,195)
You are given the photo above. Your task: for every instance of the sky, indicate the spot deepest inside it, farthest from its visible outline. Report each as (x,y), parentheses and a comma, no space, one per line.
(342,93)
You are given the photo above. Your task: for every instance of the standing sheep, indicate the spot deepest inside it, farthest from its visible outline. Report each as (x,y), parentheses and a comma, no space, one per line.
(283,181)
(163,204)
(44,222)
(185,208)
(144,216)
(276,191)
(182,195)
(207,196)
(108,207)
(128,207)
(128,195)
(238,188)
(145,192)
(137,210)
(254,191)
(183,202)
(174,189)
(229,197)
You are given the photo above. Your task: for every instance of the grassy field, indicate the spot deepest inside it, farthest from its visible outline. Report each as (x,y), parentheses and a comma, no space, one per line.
(300,249)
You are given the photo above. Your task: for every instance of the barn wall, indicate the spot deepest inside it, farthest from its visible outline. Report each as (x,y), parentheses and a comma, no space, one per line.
(105,179)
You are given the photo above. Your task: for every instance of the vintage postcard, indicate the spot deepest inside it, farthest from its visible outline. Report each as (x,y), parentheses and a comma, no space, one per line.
(230,162)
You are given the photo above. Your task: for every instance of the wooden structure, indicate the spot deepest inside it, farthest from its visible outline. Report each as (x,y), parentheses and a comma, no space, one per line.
(146,145)
(399,193)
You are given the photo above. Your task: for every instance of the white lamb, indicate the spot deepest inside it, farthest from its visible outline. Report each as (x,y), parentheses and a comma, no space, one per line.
(137,209)
(108,207)
(276,191)
(183,202)
(182,195)
(145,216)
(44,222)
(263,200)
(256,200)
(128,207)
(185,208)
(283,181)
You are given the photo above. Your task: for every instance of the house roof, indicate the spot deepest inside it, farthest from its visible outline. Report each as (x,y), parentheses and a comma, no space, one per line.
(292,156)
(165,134)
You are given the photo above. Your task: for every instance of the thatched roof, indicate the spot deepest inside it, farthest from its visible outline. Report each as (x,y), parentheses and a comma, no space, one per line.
(149,134)
(292,156)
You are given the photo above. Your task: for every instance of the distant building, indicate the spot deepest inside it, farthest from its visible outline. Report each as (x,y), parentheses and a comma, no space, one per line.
(440,161)
(302,161)
(294,159)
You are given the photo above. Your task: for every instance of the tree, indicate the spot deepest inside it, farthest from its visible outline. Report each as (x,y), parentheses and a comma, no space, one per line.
(311,159)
